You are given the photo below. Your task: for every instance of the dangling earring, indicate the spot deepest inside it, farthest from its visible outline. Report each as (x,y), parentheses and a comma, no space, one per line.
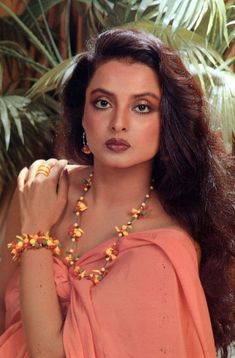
(85,148)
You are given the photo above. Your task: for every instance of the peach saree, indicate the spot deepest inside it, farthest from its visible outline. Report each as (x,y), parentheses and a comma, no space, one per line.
(151,304)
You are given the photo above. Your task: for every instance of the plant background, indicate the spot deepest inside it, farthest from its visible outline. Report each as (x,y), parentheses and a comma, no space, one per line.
(39,40)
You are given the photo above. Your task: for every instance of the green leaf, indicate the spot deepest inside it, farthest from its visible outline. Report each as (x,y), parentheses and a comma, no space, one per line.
(190,14)
(183,40)
(48,31)
(24,58)
(55,78)
(32,38)
(221,96)
(34,8)
(1,77)
(143,6)
(17,120)
(5,121)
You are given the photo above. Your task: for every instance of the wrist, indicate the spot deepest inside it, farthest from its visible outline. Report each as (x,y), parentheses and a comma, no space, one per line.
(33,241)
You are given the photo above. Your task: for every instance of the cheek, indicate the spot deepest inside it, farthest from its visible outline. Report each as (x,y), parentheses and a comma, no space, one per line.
(93,126)
(92,120)
(85,119)
(150,137)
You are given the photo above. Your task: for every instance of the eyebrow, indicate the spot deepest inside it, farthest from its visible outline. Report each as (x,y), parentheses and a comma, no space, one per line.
(138,95)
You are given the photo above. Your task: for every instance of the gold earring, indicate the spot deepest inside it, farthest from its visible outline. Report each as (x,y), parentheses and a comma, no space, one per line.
(85,148)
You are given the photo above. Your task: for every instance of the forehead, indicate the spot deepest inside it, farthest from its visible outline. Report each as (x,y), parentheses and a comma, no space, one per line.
(126,75)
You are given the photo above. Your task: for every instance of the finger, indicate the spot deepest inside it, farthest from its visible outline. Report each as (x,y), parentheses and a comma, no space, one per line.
(22,178)
(57,169)
(63,186)
(35,166)
(43,172)
(33,169)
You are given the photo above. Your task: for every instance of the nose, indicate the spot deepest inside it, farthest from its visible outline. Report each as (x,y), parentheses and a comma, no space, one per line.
(119,122)
(116,128)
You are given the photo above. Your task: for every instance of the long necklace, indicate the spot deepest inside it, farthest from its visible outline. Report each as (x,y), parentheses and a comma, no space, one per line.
(75,232)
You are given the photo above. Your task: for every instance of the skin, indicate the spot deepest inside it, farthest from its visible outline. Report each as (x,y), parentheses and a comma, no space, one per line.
(123,108)
(127,107)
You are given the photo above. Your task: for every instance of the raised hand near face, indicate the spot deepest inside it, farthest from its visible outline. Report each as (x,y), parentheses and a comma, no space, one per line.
(43,191)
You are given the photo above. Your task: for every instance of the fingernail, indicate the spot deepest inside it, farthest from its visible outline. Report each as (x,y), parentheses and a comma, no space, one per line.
(65,172)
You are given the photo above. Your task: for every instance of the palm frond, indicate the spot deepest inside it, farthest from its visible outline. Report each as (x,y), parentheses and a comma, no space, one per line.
(34,9)
(192,47)
(49,34)
(67,25)
(55,78)
(1,77)
(35,24)
(221,97)
(13,50)
(190,14)
(32,38)
(26,152)
(5,121)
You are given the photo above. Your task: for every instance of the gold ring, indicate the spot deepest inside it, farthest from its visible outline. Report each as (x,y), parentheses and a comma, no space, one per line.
(43,169)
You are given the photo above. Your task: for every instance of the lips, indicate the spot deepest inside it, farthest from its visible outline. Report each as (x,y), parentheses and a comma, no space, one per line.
(117,144)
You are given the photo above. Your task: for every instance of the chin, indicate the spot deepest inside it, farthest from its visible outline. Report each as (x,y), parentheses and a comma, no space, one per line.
(123,163)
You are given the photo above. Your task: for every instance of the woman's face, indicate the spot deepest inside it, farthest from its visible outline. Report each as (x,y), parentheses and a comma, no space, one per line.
(122,114)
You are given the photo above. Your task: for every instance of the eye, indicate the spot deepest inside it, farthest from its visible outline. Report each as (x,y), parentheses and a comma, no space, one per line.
(101,104)
(143,108)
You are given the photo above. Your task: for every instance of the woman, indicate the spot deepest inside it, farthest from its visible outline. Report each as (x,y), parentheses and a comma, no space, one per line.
(154,212)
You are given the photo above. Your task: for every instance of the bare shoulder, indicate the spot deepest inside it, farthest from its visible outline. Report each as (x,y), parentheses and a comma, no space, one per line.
(78,172)
(76,175)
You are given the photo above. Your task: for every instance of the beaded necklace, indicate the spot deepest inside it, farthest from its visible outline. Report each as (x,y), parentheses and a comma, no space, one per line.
(110,254)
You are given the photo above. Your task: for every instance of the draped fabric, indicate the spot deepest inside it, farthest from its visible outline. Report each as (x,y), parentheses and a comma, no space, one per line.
(150,304)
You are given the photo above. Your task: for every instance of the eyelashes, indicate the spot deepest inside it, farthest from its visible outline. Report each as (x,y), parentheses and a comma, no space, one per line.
(102,104)
(143,108)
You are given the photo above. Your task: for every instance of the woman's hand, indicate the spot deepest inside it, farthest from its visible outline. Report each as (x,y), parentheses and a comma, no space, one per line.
(42,198)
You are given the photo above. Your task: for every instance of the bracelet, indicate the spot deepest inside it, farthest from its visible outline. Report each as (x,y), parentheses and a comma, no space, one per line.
(35,241)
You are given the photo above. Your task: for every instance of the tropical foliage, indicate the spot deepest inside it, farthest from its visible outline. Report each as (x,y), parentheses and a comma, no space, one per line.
(201,31)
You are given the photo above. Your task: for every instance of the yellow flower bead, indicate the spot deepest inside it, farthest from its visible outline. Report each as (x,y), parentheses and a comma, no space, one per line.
(19,244)
(134,211)
(109,251)
(78,232)
(57,251)
(81,206)
(32,242)
(82,274)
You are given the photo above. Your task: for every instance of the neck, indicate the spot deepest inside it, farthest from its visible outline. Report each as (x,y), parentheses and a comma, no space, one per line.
(120,185)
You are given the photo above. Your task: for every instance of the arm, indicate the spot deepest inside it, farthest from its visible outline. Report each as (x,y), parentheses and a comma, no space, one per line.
(40,307)
(7,267)
(41,316)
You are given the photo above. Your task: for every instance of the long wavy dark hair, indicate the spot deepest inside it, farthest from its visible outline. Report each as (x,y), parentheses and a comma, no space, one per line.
(194,175)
